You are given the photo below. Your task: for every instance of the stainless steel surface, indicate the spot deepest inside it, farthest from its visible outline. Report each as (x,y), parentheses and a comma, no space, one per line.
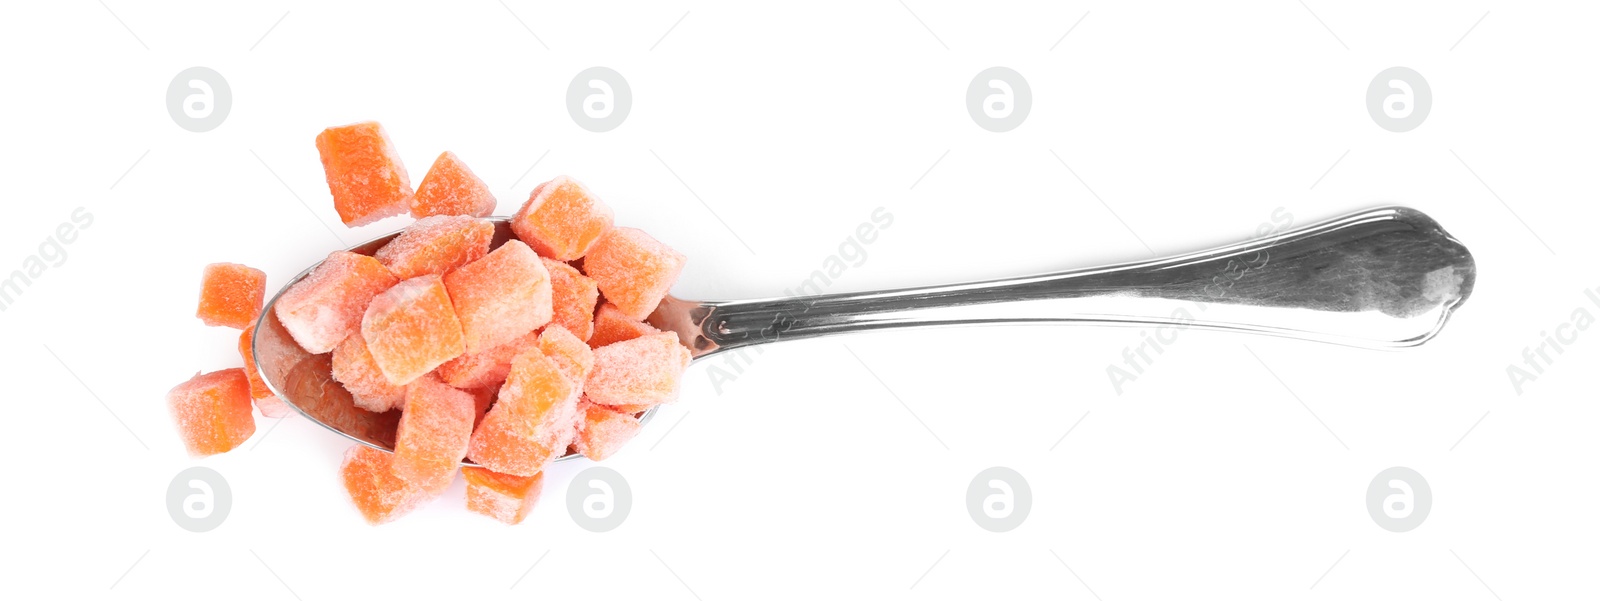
(304,380)
(1382,278)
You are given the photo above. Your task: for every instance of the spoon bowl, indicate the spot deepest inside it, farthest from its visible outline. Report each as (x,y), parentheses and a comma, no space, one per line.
(305,381)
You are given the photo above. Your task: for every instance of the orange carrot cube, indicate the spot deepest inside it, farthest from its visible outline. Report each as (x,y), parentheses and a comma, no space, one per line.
(561,219)
(325,307)
(378,493)
(611,326)
(230,295)
(411,329)
(573,297)
(633,270)
(487,369)
(364,173)
(433,433)
(500,297)
(212,411)
(531,421)
(500,496)
(602,431)
(450,188)
(572,356)
(369,389)
(436,245)
(642,371)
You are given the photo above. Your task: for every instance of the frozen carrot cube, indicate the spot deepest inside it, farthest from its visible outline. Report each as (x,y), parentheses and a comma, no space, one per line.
(485,369)
(364,173)
(230,295)
(369,389)
(433,433)
(212,411)
(633,270)
(531,420)
(500,297)
(436,245)
(572,356)
(611,326)
(602,431)
(269,404)
(500,496)
(560,442)
(325,307)
(378,493)
(450,188)
(573,297)
(561,219)
(411,329)
(642,371)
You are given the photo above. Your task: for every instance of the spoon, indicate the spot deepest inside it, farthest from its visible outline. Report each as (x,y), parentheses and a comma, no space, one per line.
(1382,278)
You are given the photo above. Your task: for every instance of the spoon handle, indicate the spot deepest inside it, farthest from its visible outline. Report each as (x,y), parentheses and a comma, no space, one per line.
(1381,278)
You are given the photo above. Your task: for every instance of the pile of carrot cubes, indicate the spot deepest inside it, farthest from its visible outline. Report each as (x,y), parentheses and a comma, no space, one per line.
(509,357)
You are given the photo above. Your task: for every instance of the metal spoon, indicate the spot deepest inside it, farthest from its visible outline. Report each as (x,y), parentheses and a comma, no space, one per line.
(1382,278)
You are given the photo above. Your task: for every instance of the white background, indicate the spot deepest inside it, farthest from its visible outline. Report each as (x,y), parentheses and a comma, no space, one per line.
(805,477)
